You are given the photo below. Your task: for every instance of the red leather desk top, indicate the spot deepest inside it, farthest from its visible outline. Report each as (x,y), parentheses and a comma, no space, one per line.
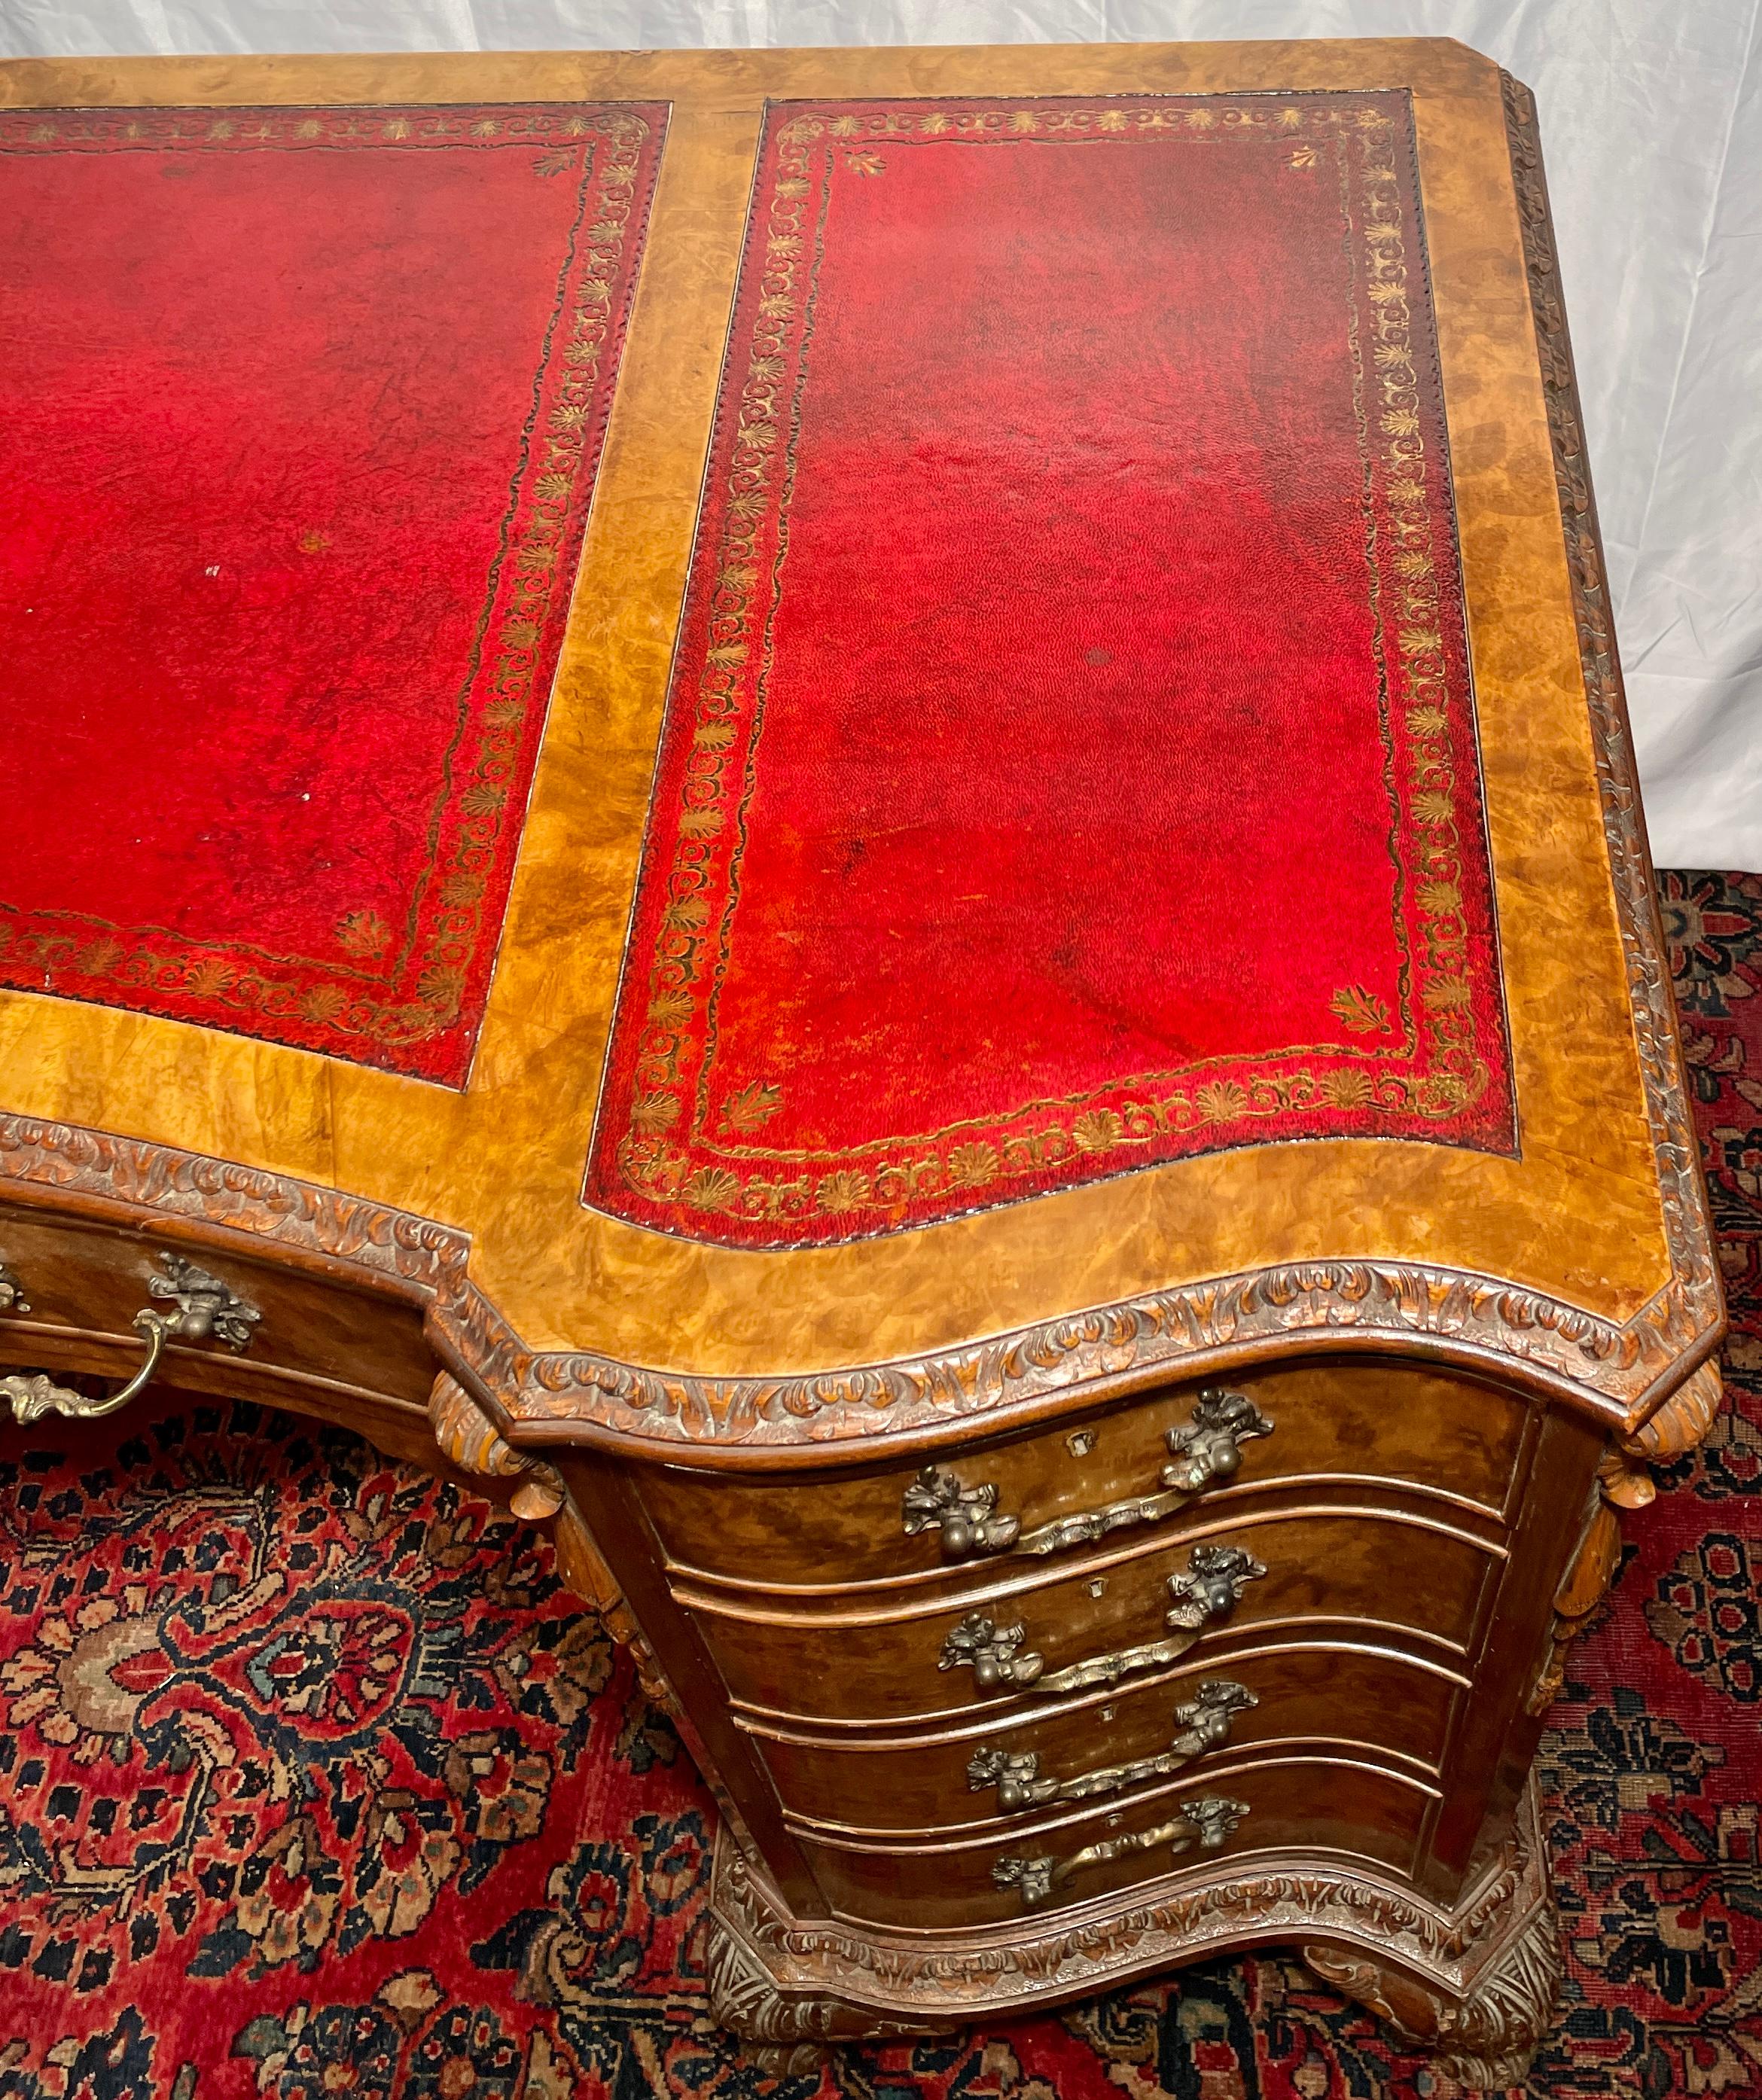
(1070,761)
(299,414)
(1091,587)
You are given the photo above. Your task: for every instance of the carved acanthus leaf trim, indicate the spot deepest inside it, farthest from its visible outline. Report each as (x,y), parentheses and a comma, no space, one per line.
(1486,2041)
(1038,1962)
(1180,1329)
(161,1181)
(1177,1329)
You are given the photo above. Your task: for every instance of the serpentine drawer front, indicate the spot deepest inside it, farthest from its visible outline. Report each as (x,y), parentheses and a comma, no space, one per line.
(933,1883)
(900,877)
(1046,1496)
(1110,1621)
(982,1769)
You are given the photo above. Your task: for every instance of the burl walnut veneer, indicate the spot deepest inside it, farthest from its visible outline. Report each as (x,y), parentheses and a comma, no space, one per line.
(864,819)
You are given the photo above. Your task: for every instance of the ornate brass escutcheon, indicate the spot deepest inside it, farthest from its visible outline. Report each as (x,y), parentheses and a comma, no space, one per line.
(1206,1824)
(1205,1448)
(206,1310)
(1201,1723)
(1208,1588)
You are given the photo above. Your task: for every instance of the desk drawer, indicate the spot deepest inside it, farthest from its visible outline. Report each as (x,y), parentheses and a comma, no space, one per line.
(1346,1566)
(1349,1809)
(1341,1695)
(1369,1421)
(85,1281)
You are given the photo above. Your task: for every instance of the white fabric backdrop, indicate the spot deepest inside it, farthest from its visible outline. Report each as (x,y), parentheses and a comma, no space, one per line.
(1651,124)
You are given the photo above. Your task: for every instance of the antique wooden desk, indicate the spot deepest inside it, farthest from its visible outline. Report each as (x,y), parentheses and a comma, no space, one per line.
(865,817)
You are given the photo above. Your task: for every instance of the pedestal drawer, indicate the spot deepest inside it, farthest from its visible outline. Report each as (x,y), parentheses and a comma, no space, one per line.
(1365,1421)
(1110,1621)
(84,1281)
(1346,1808)
(963,1777)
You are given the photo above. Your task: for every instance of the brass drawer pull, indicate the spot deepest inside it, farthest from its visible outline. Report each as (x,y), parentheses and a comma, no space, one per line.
(965,1516)
(1206,1824)
(206,1311)
(1202,1721)
(12,1292)
(1208,1588)
(1211,1585)
(991,1649)
(1204,1449)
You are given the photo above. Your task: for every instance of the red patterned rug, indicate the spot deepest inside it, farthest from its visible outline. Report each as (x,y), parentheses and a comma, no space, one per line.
(313,1781)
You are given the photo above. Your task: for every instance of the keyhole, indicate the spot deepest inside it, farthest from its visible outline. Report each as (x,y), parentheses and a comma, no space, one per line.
(1080,1442)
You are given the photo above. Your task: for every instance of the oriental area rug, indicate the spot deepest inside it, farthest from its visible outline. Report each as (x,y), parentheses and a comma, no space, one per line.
(313,1781)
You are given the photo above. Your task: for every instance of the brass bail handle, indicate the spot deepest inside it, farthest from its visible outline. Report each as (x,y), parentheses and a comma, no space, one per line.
(1205,1449)
(205,1309)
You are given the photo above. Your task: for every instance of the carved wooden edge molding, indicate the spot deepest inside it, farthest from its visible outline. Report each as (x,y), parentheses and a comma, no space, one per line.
(1623,1481)
(1608,1365)
(160,1181)
(1593,1359)
(1687,1219)
(1482,1979)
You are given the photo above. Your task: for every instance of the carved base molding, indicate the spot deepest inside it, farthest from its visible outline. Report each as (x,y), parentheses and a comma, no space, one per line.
(1478,1984)
(1486,2040)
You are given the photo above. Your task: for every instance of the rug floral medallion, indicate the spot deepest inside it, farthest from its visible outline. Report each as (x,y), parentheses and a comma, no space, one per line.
(314,1781)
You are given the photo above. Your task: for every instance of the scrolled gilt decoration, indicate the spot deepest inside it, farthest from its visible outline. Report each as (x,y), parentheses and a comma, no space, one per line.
(12,1298)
